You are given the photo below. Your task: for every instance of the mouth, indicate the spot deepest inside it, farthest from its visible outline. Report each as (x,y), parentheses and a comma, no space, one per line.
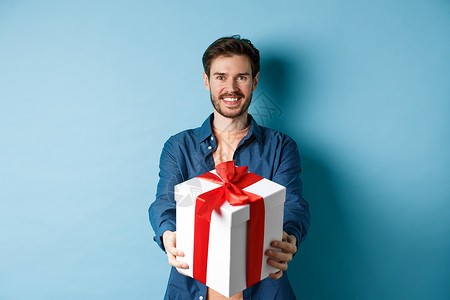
(231,100)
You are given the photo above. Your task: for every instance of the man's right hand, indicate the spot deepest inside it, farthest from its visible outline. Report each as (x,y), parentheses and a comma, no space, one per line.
(170,244)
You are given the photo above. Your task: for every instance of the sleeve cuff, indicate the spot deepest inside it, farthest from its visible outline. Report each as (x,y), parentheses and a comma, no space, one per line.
(163,228)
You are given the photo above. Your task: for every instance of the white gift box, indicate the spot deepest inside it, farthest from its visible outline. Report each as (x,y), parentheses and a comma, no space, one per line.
(227,245)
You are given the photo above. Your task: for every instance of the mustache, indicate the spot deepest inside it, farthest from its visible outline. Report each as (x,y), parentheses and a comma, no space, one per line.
(234,95)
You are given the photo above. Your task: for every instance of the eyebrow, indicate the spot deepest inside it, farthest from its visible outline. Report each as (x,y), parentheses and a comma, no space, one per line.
(223,74)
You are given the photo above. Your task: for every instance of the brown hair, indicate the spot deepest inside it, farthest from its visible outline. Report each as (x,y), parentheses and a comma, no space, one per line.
(229,46)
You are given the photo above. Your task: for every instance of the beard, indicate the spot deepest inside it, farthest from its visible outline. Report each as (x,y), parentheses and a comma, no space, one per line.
(235,113)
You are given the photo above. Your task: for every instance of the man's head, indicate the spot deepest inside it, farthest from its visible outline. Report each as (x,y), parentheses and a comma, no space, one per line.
(231,75)
(229,46)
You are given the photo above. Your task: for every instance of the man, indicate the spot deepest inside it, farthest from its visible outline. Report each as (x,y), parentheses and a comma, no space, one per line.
(231,73)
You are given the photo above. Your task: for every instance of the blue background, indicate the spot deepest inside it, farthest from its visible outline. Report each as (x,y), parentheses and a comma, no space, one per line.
(90,90)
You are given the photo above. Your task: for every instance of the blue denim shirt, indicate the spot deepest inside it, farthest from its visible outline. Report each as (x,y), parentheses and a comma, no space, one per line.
(266,152)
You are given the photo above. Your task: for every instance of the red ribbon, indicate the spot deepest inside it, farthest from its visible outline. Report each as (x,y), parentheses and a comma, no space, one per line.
(232,180)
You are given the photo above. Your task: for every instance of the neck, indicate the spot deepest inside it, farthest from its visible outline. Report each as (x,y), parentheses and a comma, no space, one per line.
(222,123)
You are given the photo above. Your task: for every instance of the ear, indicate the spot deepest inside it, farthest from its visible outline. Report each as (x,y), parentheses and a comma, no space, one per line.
(206,81)
(255,82)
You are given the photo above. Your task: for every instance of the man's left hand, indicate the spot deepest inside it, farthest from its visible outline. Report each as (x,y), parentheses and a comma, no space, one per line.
(280,258)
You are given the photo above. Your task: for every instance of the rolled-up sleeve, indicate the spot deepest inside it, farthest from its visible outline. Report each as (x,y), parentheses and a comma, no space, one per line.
(296,209)
(162,212)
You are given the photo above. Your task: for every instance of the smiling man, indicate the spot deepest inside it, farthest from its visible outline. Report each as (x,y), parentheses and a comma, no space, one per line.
(231,73)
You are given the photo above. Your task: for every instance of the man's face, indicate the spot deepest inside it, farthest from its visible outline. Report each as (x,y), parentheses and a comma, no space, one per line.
(231,85)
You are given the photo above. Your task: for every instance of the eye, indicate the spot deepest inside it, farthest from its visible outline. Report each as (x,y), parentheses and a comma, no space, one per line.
(242,78)
(220,77)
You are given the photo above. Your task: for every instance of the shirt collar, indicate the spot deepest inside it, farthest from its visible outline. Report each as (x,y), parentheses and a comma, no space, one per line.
(206,131)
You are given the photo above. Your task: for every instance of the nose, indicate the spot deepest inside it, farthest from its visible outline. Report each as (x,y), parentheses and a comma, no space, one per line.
(231,86)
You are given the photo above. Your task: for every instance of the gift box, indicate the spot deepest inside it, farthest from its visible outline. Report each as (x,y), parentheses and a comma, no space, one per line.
(226,220)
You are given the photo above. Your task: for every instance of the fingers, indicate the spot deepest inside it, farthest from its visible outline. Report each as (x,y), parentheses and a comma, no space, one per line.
(278,255)
(288,243)
(279,258)
(169,240)
(170,246)
(276,275)
(287,247)
(172,254)
(281,265)
(291,239)
(174,262)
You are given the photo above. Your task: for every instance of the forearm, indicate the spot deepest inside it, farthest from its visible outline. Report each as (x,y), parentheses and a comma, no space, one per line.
(162,212)
(296,217)
(296,210)
(162,218)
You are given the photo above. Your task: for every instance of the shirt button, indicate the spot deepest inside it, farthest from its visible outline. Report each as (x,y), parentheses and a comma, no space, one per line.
(209,147)
(200,298)
(212,138)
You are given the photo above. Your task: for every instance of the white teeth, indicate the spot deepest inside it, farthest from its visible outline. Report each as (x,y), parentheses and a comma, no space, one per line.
(230,99)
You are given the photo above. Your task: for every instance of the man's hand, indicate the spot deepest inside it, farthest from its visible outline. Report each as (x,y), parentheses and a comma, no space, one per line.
(280,258)
(170,243)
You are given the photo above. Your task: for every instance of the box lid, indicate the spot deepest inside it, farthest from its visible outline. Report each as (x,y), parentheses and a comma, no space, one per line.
(273,194)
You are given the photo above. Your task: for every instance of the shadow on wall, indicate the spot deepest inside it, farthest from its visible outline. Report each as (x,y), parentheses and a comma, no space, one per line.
(330,263)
